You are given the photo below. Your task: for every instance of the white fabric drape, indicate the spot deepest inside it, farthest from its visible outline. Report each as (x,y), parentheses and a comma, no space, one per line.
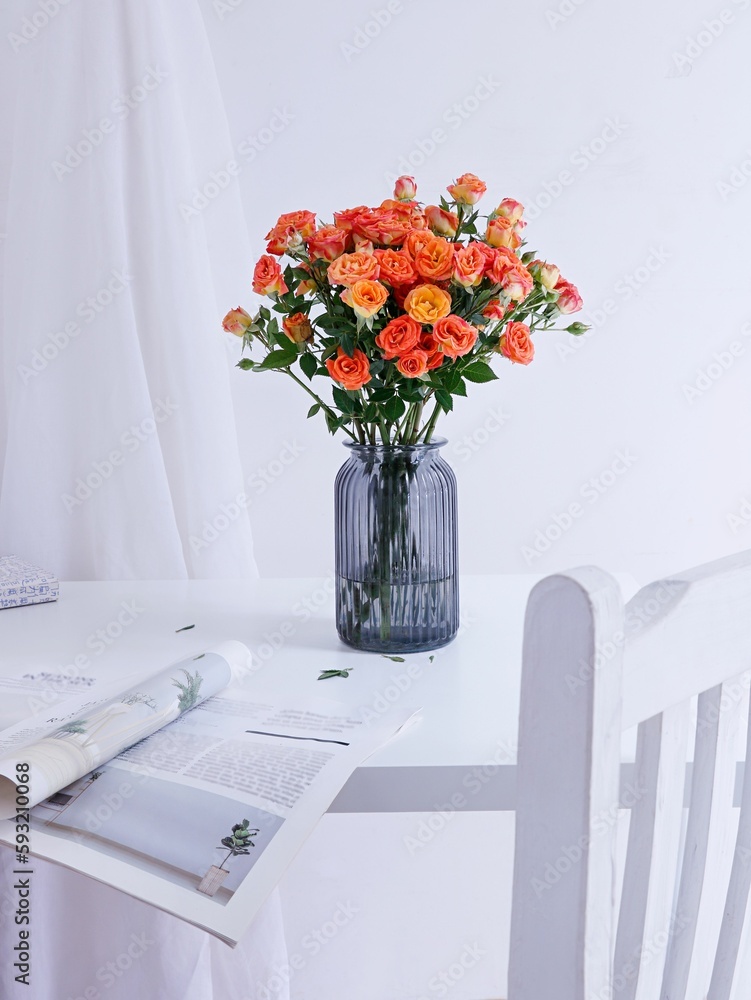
(121,456)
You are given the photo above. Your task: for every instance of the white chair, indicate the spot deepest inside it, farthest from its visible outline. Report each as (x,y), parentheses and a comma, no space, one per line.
(674,924)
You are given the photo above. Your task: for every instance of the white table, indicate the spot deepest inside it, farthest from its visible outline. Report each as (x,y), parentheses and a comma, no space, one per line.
(403,890)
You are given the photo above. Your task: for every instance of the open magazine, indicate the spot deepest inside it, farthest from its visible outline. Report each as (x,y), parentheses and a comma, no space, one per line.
(183,791)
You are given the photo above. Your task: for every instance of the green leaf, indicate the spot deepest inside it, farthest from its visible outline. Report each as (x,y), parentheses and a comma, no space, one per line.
(396,659)
(277,359)
(245,363)
(184,628)
(458,387)
(264,313)
(308,364)
(394,409)
(348,345)
(343,400)
(381,395)
(479,371)
(444,400)
(313,410)
(326,674)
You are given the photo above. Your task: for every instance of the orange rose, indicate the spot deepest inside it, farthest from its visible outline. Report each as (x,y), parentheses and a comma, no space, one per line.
(361,244)
(440,221)
(517,282)
(413,364)
(393,227)
(494,310)
(455,336)
(469,266)
(467,189)
(395,267)
(307,284)
(429,344)
(547,274)
(406,211)
(298,328)
(502,233)
(569,299)
(351,373)
(366,297)
(416,240)
(511,210)
(328,243)
(352,267)
(405,188)
(302,224)
(399,336)
(516,344)
(502,260)
(345,220)
(236,321)
(436,259)
(428,303)
(267,277)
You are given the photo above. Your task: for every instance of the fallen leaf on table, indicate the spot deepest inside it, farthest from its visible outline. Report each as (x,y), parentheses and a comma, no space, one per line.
(326,674)
(396,659)
(184,628)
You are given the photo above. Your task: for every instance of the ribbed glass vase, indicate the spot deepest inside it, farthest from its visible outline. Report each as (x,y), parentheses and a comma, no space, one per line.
(396,548)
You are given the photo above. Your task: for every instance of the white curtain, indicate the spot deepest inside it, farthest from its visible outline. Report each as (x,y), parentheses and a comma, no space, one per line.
(124,245)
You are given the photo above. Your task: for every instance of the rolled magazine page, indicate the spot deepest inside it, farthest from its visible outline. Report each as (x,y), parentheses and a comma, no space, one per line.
(77,744)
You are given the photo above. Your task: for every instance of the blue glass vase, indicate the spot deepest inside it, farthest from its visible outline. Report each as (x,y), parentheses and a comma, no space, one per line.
(397,585)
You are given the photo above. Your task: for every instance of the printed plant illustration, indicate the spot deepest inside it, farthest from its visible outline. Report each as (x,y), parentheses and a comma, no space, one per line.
(139,698)
(188,691)
(77,727)
(239,840)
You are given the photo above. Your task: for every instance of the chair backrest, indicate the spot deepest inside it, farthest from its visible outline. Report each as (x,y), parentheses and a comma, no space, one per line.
(672,923)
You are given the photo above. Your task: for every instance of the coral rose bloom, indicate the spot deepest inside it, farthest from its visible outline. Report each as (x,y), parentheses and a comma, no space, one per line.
(302,224)
(469,266)
(435,260)
(346,219)
(267,277)
(511,210)
(395,267)
(366,297)
(352,267)
(502,233)
(548,274)
(416,240)
(516,344)
(351,373)
(428,303)
(236,321)
(298,328)
(405,188)
(569,299)
(517,282)
(494,310)
(440,221)
(429,344)
(467,189)
(399,336)
(502,260)
(454,336)
(327,243)
(414,364)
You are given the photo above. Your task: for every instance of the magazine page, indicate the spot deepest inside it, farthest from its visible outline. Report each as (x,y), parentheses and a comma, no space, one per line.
(78,734)
(202,818)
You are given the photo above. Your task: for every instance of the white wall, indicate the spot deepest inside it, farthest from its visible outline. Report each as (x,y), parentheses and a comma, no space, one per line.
(641,225)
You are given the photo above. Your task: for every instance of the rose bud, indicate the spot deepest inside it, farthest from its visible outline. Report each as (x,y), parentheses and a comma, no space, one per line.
(467,189)
(236,321)
(405,188)
(298,328)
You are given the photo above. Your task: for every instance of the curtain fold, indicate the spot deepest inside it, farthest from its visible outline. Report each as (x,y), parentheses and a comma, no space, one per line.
(121,456)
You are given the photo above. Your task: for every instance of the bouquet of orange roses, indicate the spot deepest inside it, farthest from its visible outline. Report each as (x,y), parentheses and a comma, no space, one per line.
(400,307)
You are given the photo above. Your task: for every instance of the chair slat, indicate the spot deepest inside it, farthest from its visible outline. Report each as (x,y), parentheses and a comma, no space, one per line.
(653,842)
(724,974)
(562,928)
(698,913)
